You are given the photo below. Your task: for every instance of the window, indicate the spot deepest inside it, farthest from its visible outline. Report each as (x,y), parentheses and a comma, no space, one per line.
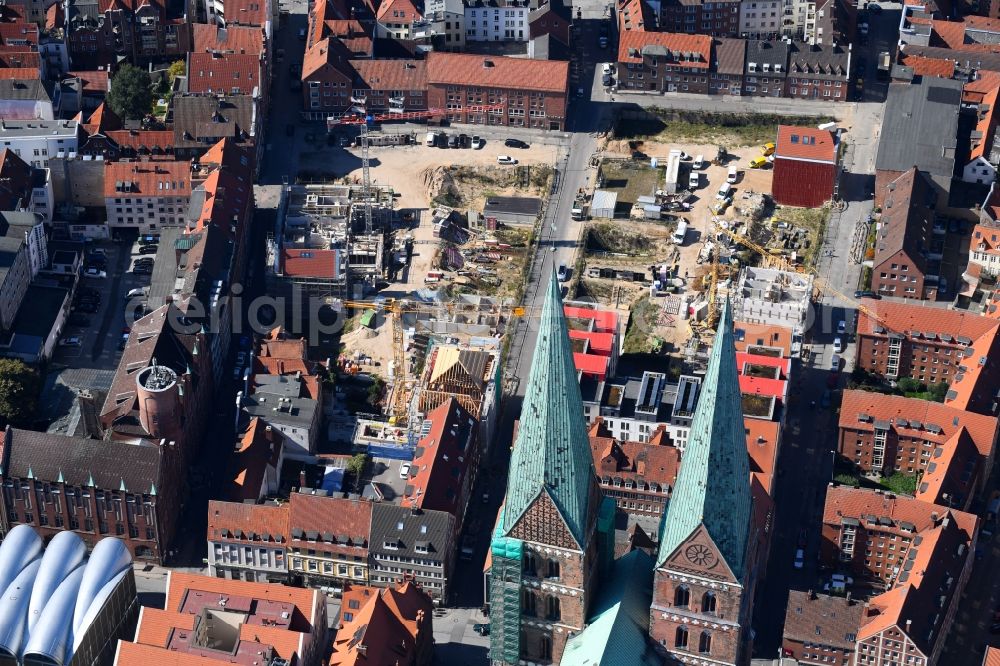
(682,597)
(553,569)
(708,602)
(552,611)
(681,637)
(705,643)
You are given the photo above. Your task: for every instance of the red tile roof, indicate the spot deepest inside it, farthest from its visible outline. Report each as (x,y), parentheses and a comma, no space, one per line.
(20,73)
(259,449)
(19,35)
(693,51)
(952,471)
(310,263)
(986,126)
(398,11)
(924,66)
(223,73)
(351,34)
(901,318)
(94,80)
(236,521)
(806,143)
(139,139)
(247,12)
(497,72)
(763,335)
(847,502)
(392,625)
(981,428)
(339,523)
(635,15)
(156,624)
(992,657)
(441,461)
(975,91)
(950,34)
(391,74)
(179,584)
(763,439)
(235,39)
(651,462)
(148,179)
(21,60)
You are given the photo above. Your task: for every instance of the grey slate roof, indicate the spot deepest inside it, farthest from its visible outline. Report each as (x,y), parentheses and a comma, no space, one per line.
(773,53)
(713,486)
(82,462)
(552,452)
(25,89)
(406,528)
(293,411)
(920,127)
(824,62)
(200,118)
(9,249)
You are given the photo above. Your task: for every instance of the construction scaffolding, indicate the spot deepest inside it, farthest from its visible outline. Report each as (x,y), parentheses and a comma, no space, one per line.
(505,599)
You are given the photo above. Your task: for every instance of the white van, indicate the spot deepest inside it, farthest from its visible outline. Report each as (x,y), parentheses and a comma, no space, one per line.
(430,139)
(699,162)
(681,232)
(733,174)
(725,191)
(694,180)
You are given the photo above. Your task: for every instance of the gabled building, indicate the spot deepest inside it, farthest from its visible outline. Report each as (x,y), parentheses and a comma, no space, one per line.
(984,152)
(224,73)
(146,196)
(554,533)
(906,263)
(818,71)
(384,626)
(806,164)
(24,188)
(711,543)
(728,64)
(638,476)
(884,434)
(329,542)
(96,488)
(720,19)
(201,121)
(820,628)
(412,544)
(395,19)
(248,541)
(664,61)
(766,68)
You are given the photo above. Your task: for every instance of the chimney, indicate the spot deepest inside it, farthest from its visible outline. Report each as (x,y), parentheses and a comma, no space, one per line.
(934,517)
(908,623)
(849,598)
(302,478)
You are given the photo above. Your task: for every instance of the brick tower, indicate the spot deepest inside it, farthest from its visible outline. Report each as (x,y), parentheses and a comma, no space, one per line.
(555,532)
(705,569)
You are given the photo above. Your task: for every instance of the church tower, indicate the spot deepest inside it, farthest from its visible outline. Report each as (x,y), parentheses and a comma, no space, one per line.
(703,585)
(554,533)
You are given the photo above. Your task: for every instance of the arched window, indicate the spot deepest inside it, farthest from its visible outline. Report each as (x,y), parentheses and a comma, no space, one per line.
(682,597)
(552,610)
(705,643)
(545,647)
(528,602)
(708,602)
(681,637)
(553,569)
(529,564)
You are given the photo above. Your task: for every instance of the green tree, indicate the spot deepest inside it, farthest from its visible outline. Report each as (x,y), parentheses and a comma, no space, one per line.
(356,467)
(909,385)
(938,391)
(131,94)
(176,69)
(19,389)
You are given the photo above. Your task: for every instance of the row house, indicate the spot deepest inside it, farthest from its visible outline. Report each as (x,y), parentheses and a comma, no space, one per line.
(516,92)
(638,476)
(202,121)
(329,540)
(497,20)
(908,243)
(147,195)
(389,85)
(820,628)
(984,243)
(395,19)
(96,488)
(760,19)
(718,19)
(984,149)
(664,62)
(412,544)
(98,33)
(326,79)
(766,68)
(921,553)
(933,345)
(392,625)
(219,72)
(226,13)
(35,141)
(248,541)
(884,434)
(16,240)
(818,72)
(728,64)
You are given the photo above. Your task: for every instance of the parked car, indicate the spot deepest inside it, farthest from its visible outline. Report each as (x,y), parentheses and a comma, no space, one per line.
(842,326)
(148,249)
(606,68)
(477,143)
(94,273)
(505,159)
(404,470)
(800,558)
(835,362)
(241,358)
(138,291)
(838,345)
(143,269)
(73,341)
(606,80)
(123,342)
(453,141)
(463,140)
(562,273)
(515,143)
(767,149)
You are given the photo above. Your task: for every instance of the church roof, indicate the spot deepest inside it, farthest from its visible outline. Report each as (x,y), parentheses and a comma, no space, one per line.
(552,450)
(713,486)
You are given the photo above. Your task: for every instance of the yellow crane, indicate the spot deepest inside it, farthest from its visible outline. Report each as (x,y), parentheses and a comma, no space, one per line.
(818,279)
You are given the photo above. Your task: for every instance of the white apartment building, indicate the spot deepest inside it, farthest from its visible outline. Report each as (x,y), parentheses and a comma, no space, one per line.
(146,195)
(35,141)
(798,18)
(760,19)
(496,23)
